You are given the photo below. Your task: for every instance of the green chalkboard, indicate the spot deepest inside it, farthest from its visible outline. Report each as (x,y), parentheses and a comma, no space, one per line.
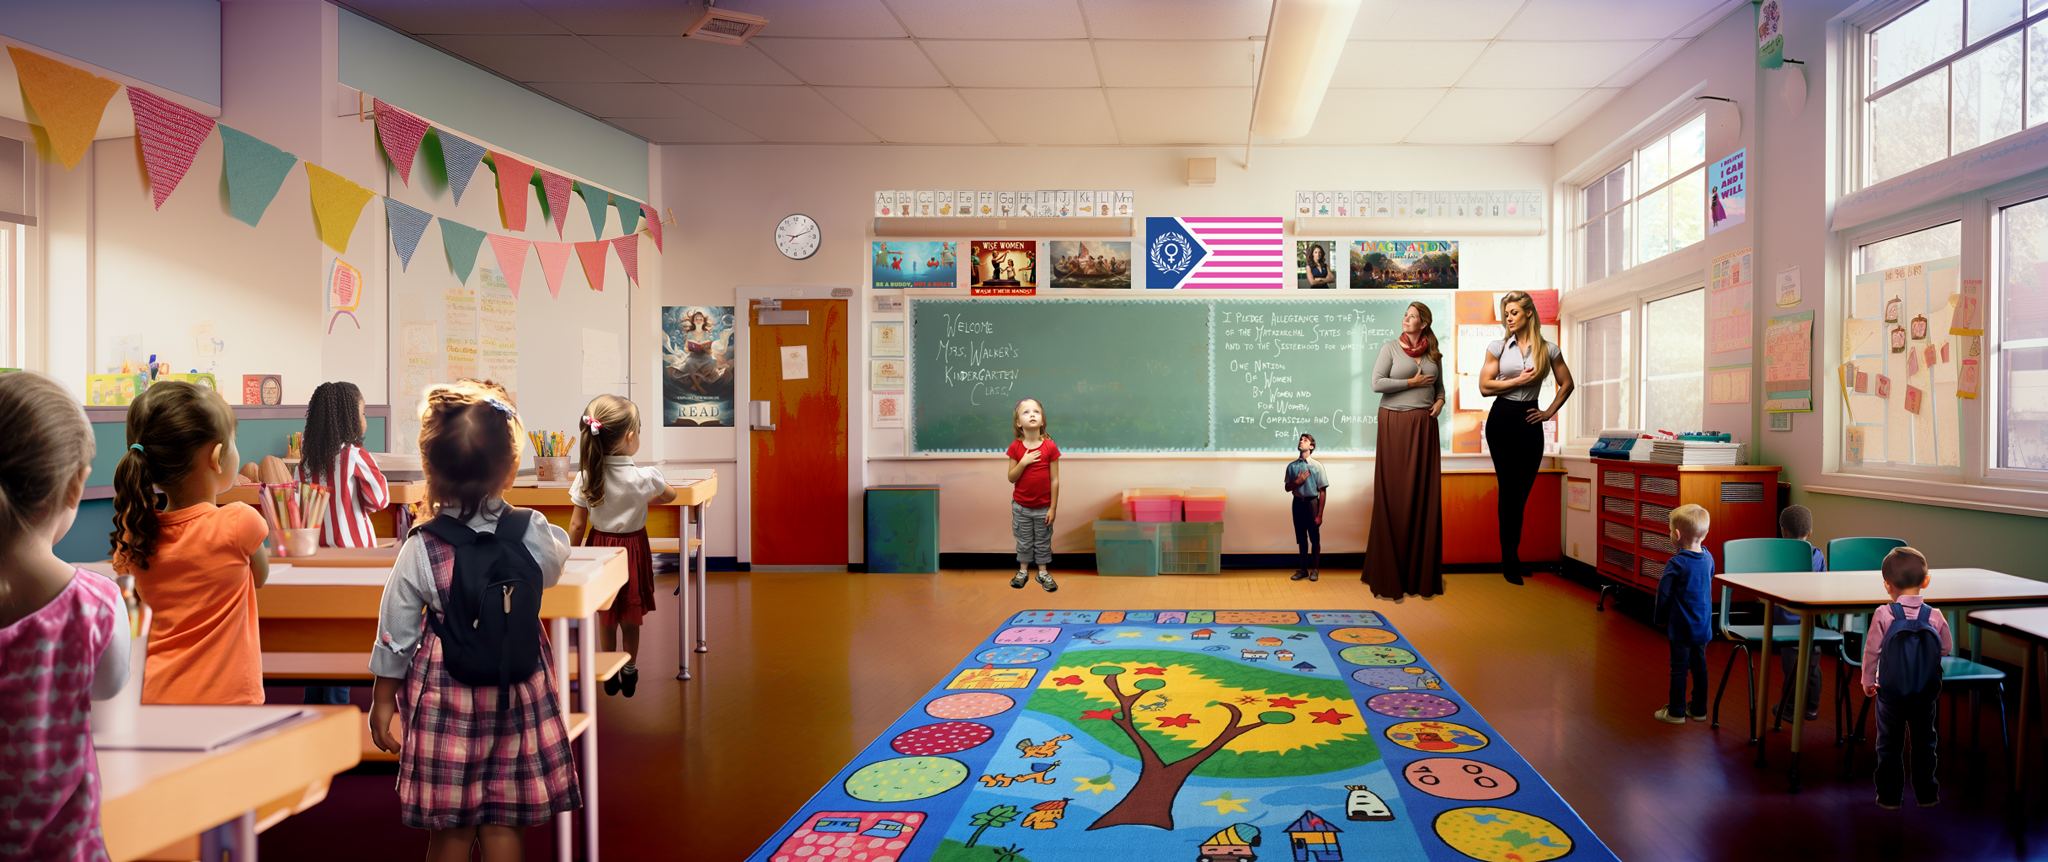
(1158,375)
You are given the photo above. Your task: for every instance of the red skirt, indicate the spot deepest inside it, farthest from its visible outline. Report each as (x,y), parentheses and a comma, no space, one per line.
(636,598)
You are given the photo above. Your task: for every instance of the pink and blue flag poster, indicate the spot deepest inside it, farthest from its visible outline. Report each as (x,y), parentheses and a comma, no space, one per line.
(1215,252)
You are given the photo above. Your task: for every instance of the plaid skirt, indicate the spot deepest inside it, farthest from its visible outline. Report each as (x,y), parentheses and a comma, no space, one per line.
(636,599)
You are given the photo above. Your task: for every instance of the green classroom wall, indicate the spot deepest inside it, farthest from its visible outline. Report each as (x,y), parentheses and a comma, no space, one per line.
(254,437)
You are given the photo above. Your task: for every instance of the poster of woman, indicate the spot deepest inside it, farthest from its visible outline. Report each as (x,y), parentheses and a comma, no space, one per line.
(696,363)
(1312,268)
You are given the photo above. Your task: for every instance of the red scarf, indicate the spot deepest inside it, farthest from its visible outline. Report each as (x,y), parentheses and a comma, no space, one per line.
(1416,350)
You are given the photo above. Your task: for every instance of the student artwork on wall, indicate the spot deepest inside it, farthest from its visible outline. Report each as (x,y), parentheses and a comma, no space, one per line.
(885,338)
(1097,264)
(1404,263)
(1729,299)
(1004,267)
(1314,264)
(697,360)
(888,409)
(264,389)
(901,264)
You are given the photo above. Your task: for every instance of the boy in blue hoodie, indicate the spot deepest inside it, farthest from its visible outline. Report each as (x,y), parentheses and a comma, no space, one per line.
(1683,605)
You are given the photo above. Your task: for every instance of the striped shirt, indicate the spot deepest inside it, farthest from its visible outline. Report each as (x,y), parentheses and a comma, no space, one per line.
(356,488)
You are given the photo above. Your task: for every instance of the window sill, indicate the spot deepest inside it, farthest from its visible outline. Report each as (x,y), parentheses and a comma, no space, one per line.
(1953,495)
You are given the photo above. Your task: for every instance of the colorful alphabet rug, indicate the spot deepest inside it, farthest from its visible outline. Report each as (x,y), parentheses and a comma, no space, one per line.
(1188,736)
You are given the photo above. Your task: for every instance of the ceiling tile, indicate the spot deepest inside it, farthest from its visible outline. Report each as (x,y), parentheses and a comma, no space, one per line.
(1489,116)
(903,115)
(1178,64)
(1568,119)
(1014,64)
(1011,19)
(1181,19)
(1209,115)
(1642,65)
(1063,117)
(1714,16)
(456,16)
(782,114)
(1514,65)
(615,16)
(854,62)
(540,58)
(1404,64)
(1438,19)
(845,19)
(676,60)
(1370,116)
(704,129)
(619,99)
(1611,19)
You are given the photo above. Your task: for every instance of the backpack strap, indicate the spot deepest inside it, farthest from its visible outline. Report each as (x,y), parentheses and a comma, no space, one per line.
(447,529)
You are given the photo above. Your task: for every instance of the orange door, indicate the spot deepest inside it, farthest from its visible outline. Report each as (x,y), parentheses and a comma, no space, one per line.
(799,469)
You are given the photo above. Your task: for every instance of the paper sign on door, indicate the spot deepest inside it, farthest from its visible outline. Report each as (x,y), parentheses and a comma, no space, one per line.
(796,363)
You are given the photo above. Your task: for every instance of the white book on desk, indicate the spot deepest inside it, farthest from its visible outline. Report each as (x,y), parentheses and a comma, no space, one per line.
(164,727)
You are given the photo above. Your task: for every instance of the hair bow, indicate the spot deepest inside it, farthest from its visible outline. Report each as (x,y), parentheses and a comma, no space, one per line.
(595,426)
(500,405)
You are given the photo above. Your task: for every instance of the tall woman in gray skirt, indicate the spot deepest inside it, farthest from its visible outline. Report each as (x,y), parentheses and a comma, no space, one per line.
(1404,556)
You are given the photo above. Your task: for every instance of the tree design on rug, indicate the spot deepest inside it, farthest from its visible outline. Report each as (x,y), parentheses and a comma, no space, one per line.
(1214,739)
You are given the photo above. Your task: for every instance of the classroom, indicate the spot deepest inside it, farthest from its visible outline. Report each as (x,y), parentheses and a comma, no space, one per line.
(969,474)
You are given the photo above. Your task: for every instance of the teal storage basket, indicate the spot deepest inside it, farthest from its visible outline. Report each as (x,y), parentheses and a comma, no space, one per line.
(1191,548)
(1127,548)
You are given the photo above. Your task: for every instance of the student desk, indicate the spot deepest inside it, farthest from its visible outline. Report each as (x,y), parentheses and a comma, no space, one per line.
(153,799)
(1808,594)
(2030,625)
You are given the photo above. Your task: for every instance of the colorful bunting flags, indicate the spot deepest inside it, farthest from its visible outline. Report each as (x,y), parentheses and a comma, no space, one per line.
(459,157)
(596,200)
(513,175)
(68,102)
(407,224)
(254,172)
(337,204)
(401,133)
(511,253)
(592,255)
(653,224)
(629,215)
(557,187)
(461,242)
(628,247)
(554,260)
(170,135)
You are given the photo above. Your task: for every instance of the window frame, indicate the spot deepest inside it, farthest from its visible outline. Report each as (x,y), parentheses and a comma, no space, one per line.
(1857,54)
(1635,302)
(1852,245)
(1991,385)
(1626,155)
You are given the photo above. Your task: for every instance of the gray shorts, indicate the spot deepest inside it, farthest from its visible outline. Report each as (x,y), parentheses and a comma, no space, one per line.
(1034,538)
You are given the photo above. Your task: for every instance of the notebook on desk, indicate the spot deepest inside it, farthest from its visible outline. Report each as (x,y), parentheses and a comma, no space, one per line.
(165,727)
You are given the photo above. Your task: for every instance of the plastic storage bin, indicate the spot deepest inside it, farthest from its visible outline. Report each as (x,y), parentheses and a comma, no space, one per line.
(1191,548)
(1126,548)
(1203,504)
(1152,505)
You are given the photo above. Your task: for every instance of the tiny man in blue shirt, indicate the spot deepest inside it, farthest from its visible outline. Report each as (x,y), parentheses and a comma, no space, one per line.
(1684,606)
(1307,481)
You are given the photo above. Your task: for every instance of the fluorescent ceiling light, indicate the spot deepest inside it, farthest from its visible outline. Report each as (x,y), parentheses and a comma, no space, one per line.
(1303,42)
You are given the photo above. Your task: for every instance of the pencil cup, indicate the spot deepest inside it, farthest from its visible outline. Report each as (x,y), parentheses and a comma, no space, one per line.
(118,714)
(302,542)
(552,469)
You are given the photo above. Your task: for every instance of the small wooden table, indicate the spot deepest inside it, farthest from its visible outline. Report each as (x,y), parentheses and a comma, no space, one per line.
(152,799)
(2030,625)
(1808,594)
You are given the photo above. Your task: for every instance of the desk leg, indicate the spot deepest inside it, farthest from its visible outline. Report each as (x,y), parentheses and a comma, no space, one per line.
(703,643)
(683,593)
(1800,682)
(558,646)
(586,700)
(234,840)
(1760,704)
(2030,694)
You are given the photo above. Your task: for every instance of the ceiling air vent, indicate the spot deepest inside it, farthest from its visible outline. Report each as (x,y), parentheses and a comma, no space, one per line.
(725,26)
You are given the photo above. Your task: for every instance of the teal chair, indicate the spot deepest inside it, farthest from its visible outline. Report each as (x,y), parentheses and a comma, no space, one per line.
(1857,554)
(1748,556)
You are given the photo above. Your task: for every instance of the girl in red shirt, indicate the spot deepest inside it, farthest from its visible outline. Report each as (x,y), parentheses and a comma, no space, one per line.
(1035,471)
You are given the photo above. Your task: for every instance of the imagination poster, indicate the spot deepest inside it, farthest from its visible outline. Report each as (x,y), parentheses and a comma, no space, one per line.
(1404,263)
(901,264)
(696,366)
(1091,263)
(1005,267)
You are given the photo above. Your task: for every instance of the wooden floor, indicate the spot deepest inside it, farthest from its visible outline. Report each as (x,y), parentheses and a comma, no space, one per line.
(806,669)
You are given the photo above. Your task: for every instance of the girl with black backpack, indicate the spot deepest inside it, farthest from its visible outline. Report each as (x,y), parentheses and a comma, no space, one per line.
(484,752)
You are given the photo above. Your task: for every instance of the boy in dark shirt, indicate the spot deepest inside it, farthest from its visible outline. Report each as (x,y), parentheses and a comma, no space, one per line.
(1796,522)
(1684,607)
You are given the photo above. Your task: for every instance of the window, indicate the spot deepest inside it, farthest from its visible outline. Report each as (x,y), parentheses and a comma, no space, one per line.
(2022,425)
(1649,207)
(1602,374)
(10,263)
(1951,75)
(1674,359)
(1900,413)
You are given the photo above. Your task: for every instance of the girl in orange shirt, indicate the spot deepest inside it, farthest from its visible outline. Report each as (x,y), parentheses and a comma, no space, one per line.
(197,564)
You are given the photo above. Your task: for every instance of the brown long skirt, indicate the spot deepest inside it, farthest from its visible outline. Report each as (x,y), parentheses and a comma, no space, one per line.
(1405,554)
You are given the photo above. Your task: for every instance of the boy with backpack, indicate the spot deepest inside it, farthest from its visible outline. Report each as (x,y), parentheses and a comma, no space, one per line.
(1902,670)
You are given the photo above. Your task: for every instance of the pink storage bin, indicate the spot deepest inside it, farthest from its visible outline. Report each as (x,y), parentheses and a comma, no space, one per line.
(1203,504)
(1155,505)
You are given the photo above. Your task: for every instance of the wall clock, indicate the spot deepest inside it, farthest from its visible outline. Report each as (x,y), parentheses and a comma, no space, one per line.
(797,237)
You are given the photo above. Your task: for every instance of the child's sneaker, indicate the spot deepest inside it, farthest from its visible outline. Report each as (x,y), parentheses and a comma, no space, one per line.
(1314,575)
(1017,583)
(1663,714)
(1299,574)
(1888,806)
(1697,716)
(629,679)
(1045,580)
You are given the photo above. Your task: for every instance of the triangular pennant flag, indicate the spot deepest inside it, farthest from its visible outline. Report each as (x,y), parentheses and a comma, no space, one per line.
(554,260)
(170,135)
(407,224)
(459,157)
(596,200)
(653,225)
(68,102)
(628,247)
(513,175)
(629,215)
(461,242)
(557,187)
(592,255)
(337,204)
(401,133)
(511,252)
(254,172)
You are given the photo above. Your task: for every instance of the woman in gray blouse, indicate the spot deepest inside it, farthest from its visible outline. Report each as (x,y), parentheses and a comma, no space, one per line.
(1513,376)
(1404,555)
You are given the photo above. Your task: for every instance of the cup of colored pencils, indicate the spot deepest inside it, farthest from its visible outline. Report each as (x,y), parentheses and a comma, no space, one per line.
(295,512)
(551,455)
(293,443)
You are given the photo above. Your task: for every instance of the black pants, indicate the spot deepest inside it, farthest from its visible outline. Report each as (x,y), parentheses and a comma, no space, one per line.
(1688,659)
(1517,447)
(1785,663)
(1308,535)
(1896,722)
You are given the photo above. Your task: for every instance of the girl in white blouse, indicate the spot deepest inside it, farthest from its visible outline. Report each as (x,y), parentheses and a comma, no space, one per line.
(611,497)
